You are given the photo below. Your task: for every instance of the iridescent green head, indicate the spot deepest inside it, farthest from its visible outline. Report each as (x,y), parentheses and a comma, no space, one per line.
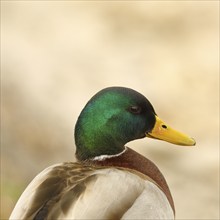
(111,118)
(115,116)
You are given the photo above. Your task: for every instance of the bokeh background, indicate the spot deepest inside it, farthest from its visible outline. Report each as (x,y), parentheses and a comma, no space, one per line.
(56,54)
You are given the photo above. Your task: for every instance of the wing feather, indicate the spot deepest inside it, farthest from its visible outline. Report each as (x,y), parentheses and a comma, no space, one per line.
(76,191)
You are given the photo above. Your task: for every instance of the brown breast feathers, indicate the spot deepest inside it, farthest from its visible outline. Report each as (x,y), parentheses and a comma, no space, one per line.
(132,160)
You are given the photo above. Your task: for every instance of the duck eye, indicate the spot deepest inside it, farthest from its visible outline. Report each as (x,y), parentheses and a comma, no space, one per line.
(135,109)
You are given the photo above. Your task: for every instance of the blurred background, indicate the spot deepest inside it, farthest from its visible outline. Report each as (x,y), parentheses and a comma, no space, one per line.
(55,55)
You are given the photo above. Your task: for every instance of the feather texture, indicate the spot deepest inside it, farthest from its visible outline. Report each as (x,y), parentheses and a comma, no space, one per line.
(75,191)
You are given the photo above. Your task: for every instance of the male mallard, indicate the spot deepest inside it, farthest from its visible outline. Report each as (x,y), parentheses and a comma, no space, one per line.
(109,181)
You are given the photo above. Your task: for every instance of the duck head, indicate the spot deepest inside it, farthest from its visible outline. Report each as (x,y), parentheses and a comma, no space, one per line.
(115,116)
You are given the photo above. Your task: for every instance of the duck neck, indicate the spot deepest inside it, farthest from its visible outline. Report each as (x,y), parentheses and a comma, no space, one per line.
(104,157)
(97,152)
(93,141)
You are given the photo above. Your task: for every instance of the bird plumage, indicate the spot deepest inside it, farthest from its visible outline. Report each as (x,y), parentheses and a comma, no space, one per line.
(76,191)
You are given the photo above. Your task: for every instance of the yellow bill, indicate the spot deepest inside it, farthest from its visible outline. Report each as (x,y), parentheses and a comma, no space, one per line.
(164,132)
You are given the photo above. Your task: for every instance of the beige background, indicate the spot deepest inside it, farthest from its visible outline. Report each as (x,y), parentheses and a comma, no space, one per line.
(55,55)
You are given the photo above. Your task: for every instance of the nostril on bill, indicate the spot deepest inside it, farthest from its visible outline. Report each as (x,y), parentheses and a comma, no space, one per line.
(164,126)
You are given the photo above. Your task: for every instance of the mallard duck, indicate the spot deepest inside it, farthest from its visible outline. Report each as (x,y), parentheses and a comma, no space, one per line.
(109,180)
